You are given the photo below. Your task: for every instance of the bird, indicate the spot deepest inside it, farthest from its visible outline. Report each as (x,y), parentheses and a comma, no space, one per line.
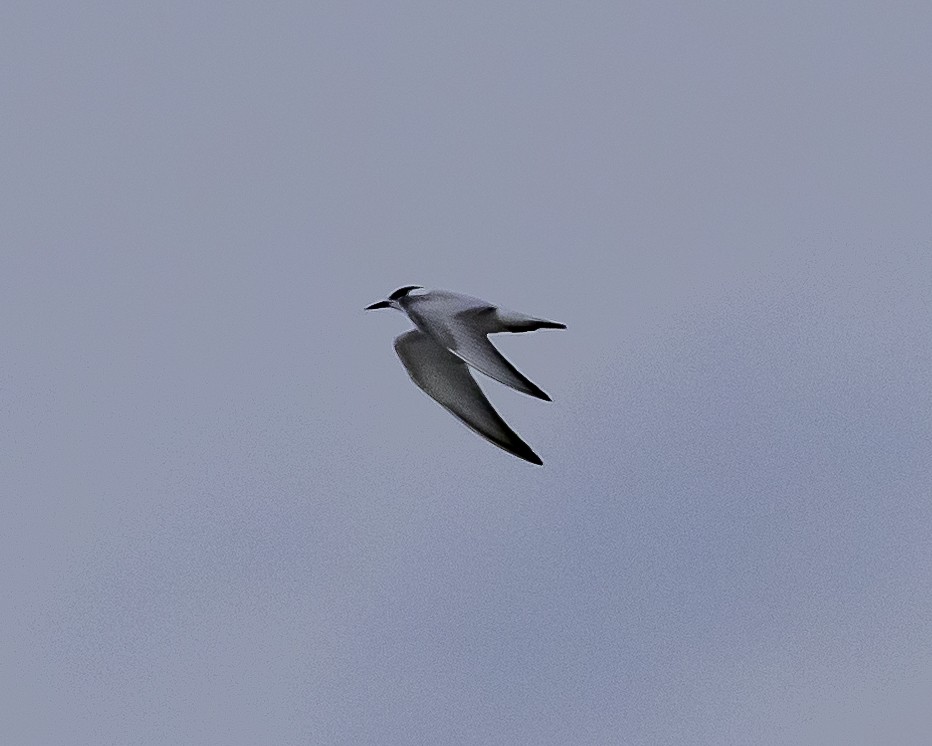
(450,337)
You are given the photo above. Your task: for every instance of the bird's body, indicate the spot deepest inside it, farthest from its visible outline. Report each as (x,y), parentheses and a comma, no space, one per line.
(451,336)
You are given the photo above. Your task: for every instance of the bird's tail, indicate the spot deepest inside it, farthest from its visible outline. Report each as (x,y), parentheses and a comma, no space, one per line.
(529,324)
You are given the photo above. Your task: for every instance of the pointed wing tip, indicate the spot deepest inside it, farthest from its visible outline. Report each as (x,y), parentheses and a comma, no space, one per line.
(526,454)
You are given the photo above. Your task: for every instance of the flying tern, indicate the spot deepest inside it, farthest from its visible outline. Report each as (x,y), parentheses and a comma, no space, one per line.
(451,335)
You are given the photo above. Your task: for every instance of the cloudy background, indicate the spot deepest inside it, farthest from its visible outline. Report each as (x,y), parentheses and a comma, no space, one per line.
(229,518)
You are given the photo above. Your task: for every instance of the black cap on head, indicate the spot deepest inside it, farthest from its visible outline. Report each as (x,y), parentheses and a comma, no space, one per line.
(402,292)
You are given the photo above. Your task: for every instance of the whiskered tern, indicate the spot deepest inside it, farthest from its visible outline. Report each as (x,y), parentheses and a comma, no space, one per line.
(451,335)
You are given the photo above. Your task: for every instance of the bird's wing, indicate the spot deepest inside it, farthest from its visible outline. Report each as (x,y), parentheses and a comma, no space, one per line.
(464,333)
(446,379)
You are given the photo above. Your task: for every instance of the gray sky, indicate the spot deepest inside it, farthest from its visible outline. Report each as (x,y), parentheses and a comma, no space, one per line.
(227,515)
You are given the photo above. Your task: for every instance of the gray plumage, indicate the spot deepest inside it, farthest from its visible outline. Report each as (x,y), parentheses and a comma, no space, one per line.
(452,336)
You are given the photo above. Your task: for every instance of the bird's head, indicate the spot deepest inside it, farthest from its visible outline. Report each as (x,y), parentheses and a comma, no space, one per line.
(394,300)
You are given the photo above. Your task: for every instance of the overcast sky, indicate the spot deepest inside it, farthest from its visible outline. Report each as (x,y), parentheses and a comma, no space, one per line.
(228,517)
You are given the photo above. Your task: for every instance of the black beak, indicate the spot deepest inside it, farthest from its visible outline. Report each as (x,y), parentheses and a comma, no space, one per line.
(380,304)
